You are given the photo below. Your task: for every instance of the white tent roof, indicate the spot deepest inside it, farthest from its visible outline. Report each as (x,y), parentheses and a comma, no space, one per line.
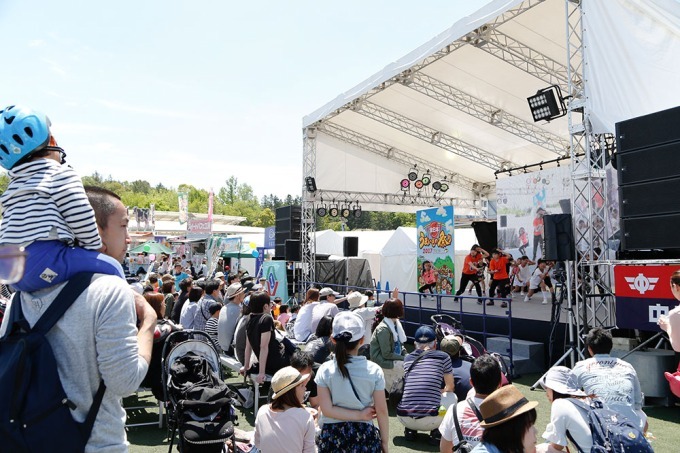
(457,106)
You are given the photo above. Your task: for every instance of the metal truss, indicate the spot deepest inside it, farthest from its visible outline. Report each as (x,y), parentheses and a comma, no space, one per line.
(430,135)
(458,99)
(390,152)
(308,221)
(464,207)
(594,299)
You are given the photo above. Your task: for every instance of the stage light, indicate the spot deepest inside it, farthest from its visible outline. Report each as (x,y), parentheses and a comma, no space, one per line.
(357,212)
(405,183)
(426,179)
(345,212)
(444,187)
(310,183)
(412,175)
(547,104)
(436,185)
(321,211)
(333,211)
(419,184)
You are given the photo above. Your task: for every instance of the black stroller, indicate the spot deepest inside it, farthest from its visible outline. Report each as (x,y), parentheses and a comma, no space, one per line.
(197,401)
(471,348)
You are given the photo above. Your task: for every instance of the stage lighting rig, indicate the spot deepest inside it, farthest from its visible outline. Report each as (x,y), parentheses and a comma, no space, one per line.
(333,211)
(310,184)
(547,104)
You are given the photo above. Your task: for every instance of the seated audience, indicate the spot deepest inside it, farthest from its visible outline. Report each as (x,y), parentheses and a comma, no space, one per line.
(328,300)
(303,322)
(320,347)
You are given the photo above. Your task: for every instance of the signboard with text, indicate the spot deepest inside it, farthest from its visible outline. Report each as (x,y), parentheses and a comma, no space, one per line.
(198,228)
(435,250)
(643,294)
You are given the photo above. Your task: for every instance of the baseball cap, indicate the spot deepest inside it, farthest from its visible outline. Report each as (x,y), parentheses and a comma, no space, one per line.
(424,334)
(451,345)
(234,290)
(356,299)
(328,292)
(562,380)
(348,326)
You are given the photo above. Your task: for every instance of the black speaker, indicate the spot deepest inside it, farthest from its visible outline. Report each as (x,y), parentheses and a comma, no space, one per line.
(487,234)
(650,232)
(504,222)
(292,250)
(559,237)
(649,164)
(288,220)
(350,246)
(648,130)
(565,206)
(650,198)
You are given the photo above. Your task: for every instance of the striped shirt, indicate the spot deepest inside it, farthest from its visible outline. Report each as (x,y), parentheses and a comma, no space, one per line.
(423,384)
(211,329)
(46,200)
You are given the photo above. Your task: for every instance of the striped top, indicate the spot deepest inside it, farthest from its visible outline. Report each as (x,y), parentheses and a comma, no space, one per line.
(424,383)
(46,200)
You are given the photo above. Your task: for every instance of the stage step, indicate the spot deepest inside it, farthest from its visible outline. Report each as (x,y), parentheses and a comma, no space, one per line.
(528,356)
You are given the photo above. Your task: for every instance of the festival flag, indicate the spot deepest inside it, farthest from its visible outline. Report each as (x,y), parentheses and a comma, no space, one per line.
(210,205)
(183,201)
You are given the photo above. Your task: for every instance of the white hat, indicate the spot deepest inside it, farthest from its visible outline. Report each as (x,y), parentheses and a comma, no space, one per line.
(356,299)
(328,292)
(285,379)
(562,380)
(234,289)
(219,274)
(348,326)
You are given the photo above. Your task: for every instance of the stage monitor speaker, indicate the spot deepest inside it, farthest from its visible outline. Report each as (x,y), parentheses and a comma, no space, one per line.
(350,246)
(559,237)
(487,234)
(648,130)
(292,250)
(651,232)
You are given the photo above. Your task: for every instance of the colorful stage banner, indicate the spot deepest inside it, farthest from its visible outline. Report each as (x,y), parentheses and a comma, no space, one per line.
(523,200)
(435,250)
(277,280)
(643,294)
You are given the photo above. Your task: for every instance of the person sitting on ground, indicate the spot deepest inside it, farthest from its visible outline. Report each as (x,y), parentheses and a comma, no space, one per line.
(303,322)
(428,384)
(508,420)
(351,394)
(612,380)
(184,286)
(388,338)
(188,315)
(211,324)
(304,363)
(568,412)
(498,268)
(284,315)
(485,377)
(452,345)
(261,340)
(321,346)
(229,317)
(285,423)
(44,207)
(328,306)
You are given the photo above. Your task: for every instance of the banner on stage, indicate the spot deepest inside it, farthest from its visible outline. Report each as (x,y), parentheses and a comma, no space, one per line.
(522,202)
(277,279)
(643,295)
(435,250)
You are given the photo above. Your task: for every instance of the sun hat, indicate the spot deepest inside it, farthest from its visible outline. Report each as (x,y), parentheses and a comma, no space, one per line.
(356,299)
(348,326)
(502,405)
(328,292)
(562,380)
(233,290)
(451,345)
(219,274)
(424,334)
(286,379)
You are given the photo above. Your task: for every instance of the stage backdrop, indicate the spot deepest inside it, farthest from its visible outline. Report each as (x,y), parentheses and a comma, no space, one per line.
(277,280)
(523,200)
(435,245)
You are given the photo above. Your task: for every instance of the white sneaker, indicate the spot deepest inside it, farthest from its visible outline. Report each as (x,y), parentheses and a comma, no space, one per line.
(545,302)
(526,299)
(522,293)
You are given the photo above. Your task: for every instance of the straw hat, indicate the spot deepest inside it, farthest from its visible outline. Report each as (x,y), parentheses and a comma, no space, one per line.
(287,379)
(504,404)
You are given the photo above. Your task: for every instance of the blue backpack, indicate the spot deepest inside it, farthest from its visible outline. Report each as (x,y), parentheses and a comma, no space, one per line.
(611,432)
(35,413)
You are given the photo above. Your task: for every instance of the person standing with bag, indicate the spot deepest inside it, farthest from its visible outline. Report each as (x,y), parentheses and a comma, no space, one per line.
(351,394)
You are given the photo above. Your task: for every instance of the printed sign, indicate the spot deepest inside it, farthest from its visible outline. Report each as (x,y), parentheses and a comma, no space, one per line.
(198,227)
(277,281)
(270,237)
(435,250)
(643,294)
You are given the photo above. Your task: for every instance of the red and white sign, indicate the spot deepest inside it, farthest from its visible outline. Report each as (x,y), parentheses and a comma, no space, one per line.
(648,282)
(198,227)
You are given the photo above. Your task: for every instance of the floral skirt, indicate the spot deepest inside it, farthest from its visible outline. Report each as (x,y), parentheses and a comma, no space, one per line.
(349,437)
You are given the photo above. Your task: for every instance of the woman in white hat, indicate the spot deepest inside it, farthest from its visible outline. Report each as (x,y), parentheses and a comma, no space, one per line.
(285,425)
(508,420)
(351,394)
(568,412)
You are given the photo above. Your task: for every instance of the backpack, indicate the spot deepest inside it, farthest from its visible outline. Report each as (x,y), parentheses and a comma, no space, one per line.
(612,432)
(35,413)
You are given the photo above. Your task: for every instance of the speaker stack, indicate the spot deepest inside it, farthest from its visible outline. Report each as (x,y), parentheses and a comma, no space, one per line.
(350,246)
(558,234)
(288,220)
(648,167)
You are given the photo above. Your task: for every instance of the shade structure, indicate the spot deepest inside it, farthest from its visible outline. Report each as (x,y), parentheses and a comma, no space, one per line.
(151,247)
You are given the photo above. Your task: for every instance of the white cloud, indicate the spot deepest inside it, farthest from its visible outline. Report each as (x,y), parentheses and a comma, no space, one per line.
(36,43)
(441,211)
(424,217)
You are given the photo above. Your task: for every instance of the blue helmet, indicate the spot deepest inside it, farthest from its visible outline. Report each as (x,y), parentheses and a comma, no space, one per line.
(23,131)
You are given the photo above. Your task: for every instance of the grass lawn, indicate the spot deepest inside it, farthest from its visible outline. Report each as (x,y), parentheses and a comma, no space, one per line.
(664,423)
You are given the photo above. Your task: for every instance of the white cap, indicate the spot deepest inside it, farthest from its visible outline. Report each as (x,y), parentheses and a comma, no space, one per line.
(348,326)
(328,292)
(562,380)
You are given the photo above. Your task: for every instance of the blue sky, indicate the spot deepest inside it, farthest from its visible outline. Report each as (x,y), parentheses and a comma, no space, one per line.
(196,91)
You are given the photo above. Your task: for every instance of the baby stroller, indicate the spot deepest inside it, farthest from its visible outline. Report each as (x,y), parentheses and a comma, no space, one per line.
(197,401)
(471,348)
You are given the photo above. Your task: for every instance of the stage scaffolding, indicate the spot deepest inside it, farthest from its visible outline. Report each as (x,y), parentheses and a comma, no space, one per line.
(589,194)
